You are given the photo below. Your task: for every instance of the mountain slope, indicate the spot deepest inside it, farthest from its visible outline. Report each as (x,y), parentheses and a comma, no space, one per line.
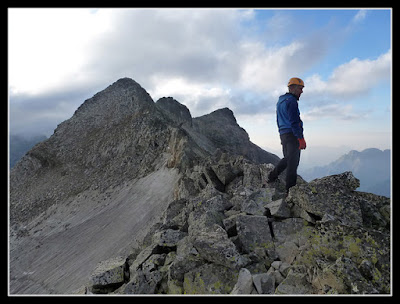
(100,182)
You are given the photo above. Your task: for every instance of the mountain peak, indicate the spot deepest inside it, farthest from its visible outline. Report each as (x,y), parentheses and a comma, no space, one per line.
(224,115)
(125,81)
(110,106)
(176,111)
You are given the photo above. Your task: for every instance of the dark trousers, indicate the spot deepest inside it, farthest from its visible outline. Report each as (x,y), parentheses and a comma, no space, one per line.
(290,160)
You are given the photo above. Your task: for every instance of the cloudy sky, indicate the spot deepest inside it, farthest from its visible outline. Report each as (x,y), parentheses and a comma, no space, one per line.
(208,59)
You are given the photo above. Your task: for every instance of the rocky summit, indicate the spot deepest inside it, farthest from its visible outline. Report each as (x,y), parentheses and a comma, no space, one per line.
(131,196)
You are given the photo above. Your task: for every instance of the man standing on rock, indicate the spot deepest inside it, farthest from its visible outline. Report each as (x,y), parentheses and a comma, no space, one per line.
(291,133)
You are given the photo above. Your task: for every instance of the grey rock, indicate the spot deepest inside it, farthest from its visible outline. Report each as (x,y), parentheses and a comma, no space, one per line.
(187,258)
(142,257)
(230,224)
(244,284)
(332,194)
(256,202)
(291,230)
(295,283)
(287,251)
(264,283)
(279,208)
(209,279)
(366,269)
(214,246)
(174,215)
(284,268)
(140,284)
(108,275)
(251,207)
(168,238)
(253,231)
(276,264)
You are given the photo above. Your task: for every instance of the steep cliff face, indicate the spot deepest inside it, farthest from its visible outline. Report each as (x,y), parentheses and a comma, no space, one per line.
(104,177)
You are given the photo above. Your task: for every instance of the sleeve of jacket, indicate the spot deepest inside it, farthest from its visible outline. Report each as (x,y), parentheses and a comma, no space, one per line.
(294,118)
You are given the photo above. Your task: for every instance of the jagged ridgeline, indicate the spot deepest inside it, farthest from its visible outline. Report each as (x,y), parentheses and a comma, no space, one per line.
(129,196)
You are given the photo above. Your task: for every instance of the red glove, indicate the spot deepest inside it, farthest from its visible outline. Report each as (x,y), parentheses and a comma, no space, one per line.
(302,143)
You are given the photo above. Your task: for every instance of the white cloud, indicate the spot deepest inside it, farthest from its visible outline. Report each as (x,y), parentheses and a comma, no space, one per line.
(48,47)
(194,44)
(360,16)
(359,76)
(54,48)
(333,111)
(354,78)
(198,97)
(266,70)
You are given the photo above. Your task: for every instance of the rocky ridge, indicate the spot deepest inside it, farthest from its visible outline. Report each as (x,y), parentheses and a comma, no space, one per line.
(208,223)
(229,233)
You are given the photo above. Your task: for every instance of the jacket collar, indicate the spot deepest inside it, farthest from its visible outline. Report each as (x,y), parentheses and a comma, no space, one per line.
(293,95)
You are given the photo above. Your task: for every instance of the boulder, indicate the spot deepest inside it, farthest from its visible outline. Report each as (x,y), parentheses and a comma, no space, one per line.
(255,203)
(295,283)
(209,279)
(214,246)
(264,283)
(251,207)
(294,230)
(174,216)
(279,208)
(332,194)
(186,259)
(253,231)
(168,238)
(230,224)
(139,284)
(287,251)
(108,275)
(244,284)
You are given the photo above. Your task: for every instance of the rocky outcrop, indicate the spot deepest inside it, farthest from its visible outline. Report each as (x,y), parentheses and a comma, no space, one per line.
(248,238)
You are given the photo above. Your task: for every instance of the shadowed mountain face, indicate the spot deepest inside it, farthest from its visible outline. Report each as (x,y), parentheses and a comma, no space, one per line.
(103,179)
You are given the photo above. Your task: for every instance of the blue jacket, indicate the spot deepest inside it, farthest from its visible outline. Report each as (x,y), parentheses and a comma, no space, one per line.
(288,115)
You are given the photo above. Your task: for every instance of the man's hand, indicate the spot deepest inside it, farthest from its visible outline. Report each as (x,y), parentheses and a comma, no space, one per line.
(302,143)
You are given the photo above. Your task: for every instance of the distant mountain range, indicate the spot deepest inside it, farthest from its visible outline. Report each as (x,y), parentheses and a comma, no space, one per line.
(371,166)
